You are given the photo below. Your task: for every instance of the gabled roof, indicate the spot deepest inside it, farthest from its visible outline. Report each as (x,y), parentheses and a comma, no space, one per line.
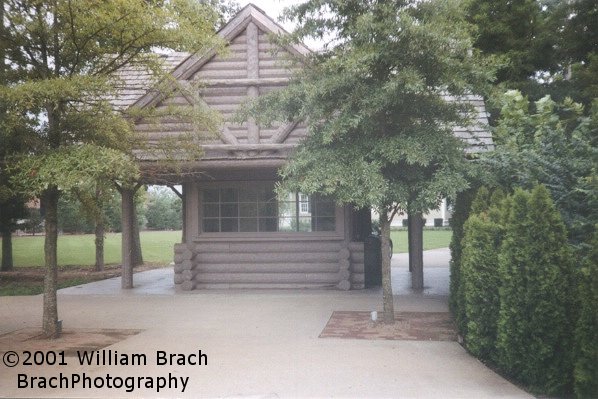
(193,62)
(250,13)
(138,87)
(136,81)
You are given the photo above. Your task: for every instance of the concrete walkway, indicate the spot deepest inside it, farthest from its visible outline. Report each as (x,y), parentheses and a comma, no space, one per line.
(259,343)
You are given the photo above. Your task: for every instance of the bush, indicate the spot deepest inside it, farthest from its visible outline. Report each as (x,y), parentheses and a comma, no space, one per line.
(586,333)
(536,295)
(460,215)
(480,279)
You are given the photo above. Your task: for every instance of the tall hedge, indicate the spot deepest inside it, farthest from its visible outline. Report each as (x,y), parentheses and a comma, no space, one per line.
(480,278)
(480,282)
(460,214)
(586,334)
(537,295)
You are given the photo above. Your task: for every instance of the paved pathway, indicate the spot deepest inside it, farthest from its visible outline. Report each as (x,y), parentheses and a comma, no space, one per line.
(260,343)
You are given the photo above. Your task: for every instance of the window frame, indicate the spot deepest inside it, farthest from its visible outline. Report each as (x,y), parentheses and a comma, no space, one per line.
(338,215)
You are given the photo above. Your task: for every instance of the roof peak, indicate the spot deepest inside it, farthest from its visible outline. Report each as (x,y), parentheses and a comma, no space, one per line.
(248,14)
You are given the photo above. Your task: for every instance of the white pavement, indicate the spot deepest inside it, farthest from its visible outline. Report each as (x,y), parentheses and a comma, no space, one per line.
(260,343)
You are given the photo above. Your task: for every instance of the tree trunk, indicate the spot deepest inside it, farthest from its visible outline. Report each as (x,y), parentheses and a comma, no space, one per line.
(50,313)
(416,250)
(410,249)
(137,256)
(7,261)
(387,298)
(99,241)
(128,210)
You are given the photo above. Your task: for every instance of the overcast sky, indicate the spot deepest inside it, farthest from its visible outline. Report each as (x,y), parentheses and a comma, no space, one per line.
(272,7)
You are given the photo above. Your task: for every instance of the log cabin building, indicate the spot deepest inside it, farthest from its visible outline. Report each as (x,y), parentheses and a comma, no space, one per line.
(237,232)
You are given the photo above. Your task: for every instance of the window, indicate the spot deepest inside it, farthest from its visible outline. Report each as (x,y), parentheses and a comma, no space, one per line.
(256,208)
(304,203)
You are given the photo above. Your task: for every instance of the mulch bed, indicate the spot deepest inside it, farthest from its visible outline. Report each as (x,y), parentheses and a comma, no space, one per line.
(408,326)
(71,340)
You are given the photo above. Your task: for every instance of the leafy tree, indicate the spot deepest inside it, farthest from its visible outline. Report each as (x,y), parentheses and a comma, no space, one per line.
(164,209)
(13,130)
(554,144)
(537,295)
(33,221)
(548,46)
(11,210)
(586,332)
(374,100)
(93,203)
(71,219)
(226,9)
(68,54)
(518,31)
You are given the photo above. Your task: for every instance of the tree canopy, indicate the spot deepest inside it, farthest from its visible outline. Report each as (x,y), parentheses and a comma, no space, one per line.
(553,144)
(66,55)
(546,46)
(377,103)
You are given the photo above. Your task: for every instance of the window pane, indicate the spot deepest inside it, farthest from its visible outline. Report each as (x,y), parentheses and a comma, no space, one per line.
(304,204)
(267,209)
(266,192)
(248,224)
(228,225)
(325,224)
(304,207)
(229,210)
(211,210)
(287,209)
(269,224)
(254,206)
(246,210)
(287,224)
(325,209)
(229,195)
(305,223)
(211,195)
(211,225)
(248,194)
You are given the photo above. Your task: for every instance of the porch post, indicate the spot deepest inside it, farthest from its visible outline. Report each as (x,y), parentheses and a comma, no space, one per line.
(191,206)
(184,214)
(128,208)
(416,250)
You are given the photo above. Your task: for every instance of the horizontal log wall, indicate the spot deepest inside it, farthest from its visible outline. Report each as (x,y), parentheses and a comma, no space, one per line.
(274,62)
(357,265)
(249,66)
(231,64)
(317,263)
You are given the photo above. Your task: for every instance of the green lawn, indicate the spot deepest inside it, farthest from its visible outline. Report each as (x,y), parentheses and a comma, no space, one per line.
(432,239)
(78,250)
(157,247)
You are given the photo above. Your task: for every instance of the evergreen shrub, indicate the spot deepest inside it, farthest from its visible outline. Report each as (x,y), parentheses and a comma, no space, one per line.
(586,334)
(537,295)
(459,216)
(480,279)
